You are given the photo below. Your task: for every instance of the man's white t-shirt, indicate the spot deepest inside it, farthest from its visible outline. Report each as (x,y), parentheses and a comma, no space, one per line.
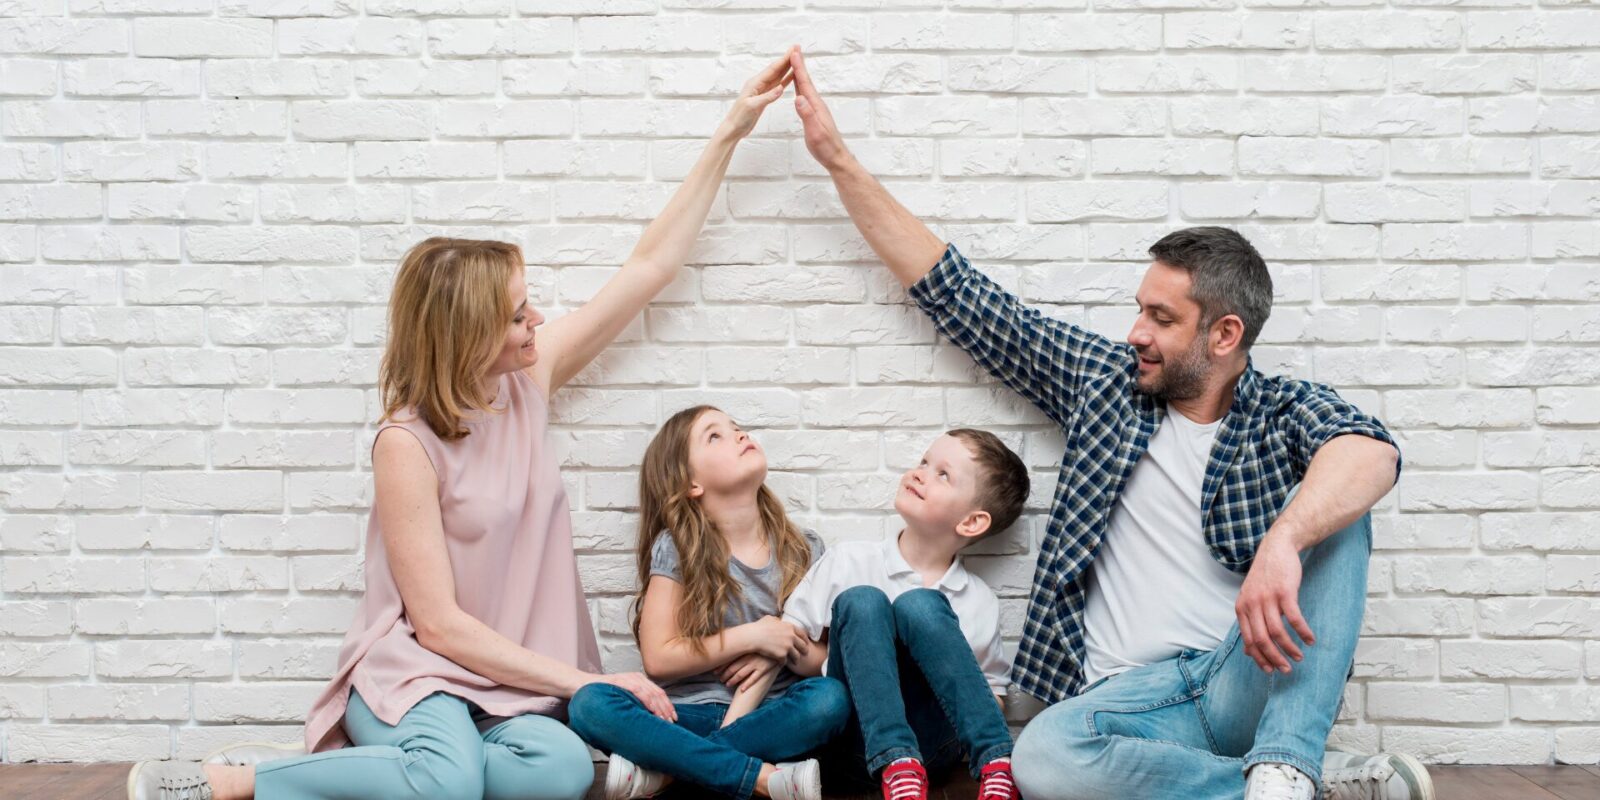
(1155,590)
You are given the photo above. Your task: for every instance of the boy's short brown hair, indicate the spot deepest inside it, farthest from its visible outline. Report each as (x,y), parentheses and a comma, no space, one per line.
(1002,478)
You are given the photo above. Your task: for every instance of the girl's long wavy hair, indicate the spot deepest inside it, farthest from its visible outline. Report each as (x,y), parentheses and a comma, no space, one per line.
(447,319)
(666,509)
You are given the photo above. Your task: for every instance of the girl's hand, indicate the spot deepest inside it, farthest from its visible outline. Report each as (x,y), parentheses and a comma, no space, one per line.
(744,671)
(654,699)
(758,93)
(778,640)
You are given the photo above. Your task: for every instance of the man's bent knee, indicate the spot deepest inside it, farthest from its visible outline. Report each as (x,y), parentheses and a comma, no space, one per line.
(1052,757)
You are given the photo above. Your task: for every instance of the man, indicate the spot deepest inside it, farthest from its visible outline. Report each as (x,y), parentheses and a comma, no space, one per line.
(1200,586)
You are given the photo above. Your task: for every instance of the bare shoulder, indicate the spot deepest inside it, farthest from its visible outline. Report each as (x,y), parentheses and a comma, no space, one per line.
(398,452)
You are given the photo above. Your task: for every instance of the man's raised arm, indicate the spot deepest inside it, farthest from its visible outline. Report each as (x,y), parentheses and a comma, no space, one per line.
(904,244)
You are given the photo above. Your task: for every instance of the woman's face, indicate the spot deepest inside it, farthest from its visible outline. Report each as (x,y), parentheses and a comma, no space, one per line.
(518,350)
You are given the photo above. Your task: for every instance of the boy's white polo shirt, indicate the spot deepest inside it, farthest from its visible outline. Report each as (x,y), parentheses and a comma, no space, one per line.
(850,564)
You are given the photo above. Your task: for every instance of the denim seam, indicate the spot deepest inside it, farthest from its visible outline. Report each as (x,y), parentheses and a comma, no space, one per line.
(747,781)
(1199,707)
(889,756)
(976,765)
(1172,701)
(1314,771)
(395,754)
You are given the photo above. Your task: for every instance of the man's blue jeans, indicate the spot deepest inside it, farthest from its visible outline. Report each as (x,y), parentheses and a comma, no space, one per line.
(1189,727)
(697,748)
(917,689)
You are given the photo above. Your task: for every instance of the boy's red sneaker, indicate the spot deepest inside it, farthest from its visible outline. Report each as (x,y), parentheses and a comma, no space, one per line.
(995,783)
(905,780)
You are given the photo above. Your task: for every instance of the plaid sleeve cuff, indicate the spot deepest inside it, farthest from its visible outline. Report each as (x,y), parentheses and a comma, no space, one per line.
(937,287)
(1361,425)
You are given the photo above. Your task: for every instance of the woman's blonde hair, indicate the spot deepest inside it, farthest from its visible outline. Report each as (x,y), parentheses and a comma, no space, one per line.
(666,509)
(447,319)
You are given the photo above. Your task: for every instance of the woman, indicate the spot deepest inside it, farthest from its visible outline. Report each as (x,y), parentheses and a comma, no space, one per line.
(472,632)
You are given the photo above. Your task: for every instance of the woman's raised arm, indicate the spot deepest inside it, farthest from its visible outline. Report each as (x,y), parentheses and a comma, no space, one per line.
(572,341)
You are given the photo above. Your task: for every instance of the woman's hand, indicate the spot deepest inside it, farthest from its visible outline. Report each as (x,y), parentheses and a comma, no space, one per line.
(758,93)
(654,699)
(745,671)
(776,639)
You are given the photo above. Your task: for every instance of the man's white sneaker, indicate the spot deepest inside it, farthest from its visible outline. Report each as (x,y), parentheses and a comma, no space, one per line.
(1385,776)
(1268,781)
(626,780)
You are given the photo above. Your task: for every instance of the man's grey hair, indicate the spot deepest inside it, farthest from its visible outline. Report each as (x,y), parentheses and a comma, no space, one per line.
(1229,275)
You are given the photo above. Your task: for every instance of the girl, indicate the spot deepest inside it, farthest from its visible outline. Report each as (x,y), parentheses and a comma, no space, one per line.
(472,631)
(717,557)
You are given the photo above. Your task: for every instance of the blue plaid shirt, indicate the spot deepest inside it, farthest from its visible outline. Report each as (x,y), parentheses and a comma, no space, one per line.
(1084,383)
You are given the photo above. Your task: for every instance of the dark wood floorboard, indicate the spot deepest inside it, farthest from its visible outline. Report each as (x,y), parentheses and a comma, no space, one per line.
(106,782)
(1564,782)
(1486,783)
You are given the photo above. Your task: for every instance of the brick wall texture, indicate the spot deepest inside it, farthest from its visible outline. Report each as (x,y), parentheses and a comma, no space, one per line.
(202,203)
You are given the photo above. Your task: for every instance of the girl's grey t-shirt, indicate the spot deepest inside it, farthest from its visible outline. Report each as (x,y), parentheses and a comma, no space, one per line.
(759,589)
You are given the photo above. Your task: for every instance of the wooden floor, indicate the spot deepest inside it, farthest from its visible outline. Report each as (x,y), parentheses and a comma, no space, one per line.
(106,782)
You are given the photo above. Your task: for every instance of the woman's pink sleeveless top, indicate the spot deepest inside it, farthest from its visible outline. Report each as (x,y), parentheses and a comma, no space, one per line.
(509,535)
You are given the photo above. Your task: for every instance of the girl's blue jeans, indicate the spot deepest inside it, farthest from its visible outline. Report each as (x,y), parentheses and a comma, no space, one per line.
(697,748)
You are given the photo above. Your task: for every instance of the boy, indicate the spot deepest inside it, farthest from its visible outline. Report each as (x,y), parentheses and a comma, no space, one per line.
(912,634)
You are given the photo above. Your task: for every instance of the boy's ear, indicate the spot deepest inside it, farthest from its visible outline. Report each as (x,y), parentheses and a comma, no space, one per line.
(975,524)
(695,489)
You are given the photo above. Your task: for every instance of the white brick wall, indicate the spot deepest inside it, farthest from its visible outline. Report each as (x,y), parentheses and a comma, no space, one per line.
(201,205)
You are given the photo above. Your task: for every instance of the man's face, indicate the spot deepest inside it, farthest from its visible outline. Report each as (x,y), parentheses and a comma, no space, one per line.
(1174,353)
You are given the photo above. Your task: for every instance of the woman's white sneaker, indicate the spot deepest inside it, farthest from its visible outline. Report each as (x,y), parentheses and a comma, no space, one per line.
(249,754)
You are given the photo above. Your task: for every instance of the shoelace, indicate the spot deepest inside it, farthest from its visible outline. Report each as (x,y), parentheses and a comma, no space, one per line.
(1366,782)
(997,785)
(906,785)
(1274,782)
(185,788)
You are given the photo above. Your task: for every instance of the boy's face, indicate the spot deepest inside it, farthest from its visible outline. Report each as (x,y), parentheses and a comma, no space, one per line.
(722,457)
(941,491)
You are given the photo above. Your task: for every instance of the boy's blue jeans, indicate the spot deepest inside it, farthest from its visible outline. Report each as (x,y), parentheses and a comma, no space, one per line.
(1189,727)
(916,688)
(697,748)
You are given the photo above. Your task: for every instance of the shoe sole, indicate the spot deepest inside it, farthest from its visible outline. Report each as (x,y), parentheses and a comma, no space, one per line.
(217,753)
(133,777)
(616,786)
(1416,768)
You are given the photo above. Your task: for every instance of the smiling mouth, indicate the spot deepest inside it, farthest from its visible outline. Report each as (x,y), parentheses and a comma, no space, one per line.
(914,492)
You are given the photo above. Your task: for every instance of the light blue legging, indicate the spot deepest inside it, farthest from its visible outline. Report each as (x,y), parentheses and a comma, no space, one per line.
(437,753)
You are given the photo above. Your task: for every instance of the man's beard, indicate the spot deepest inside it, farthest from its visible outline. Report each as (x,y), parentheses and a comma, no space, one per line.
(1182,377)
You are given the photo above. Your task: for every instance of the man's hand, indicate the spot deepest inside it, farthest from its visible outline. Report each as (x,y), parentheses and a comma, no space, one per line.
(822,135)
(1271,593)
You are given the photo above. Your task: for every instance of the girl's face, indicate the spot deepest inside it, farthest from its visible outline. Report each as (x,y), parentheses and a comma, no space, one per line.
(722,457)
(518,351)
